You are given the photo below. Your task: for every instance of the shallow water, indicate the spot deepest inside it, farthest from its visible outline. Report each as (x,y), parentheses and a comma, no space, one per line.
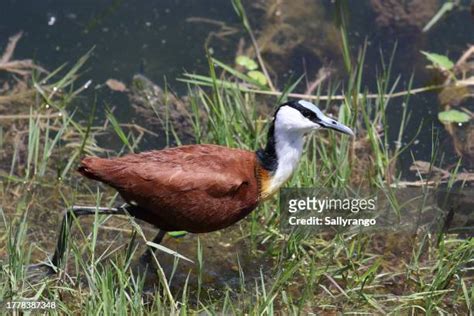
(157,39)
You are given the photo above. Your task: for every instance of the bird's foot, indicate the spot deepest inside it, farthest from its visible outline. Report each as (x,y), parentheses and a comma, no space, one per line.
(40,271)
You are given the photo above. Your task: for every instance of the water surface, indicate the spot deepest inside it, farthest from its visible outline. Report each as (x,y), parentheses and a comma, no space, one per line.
(158,39)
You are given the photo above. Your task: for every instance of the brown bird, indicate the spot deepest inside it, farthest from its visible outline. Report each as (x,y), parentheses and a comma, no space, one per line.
(203,188)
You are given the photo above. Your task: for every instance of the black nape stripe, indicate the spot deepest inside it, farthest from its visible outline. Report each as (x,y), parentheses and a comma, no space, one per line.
(267,157)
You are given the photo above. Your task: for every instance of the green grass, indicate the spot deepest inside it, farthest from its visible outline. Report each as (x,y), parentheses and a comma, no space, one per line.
(293,273)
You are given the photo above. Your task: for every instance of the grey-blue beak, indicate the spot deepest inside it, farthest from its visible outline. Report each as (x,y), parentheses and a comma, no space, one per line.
(330,123)
(321,119)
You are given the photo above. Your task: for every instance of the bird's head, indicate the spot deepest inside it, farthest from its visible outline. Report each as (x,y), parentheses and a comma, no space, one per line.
(303,116)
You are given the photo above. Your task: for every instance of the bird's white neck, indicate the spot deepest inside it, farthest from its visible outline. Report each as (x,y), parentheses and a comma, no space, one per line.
(288,149)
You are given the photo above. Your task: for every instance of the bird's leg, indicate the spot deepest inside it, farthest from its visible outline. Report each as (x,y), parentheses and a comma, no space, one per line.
(66,224)
(146,257)
(67,221)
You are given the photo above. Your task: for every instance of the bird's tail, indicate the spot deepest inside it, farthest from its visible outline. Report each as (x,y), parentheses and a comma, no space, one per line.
(93,168)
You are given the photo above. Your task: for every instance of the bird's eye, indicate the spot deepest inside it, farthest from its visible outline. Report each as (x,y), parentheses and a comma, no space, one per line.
(308,114)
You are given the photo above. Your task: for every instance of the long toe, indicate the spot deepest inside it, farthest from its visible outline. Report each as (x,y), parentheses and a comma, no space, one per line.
(37,272)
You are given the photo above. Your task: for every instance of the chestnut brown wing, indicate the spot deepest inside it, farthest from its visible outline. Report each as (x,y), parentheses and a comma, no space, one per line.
(197,188)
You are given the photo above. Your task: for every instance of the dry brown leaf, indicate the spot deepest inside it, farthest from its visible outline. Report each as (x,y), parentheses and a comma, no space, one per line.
(8,53)
(116,85)
(424,168)
(20,67)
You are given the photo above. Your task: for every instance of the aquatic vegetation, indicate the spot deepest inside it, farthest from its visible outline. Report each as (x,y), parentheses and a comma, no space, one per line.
(285,28)
(454,116)
(252,268)
(458,77)
(161,108)
(445,8)
(456,91)
(404,14)
(440,61)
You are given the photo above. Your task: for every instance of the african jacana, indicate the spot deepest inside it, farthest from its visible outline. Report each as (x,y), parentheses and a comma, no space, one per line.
(203,188)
